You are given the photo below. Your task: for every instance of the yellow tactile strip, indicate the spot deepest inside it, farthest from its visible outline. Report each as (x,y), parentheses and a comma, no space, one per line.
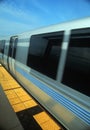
(46,122)
(20,100)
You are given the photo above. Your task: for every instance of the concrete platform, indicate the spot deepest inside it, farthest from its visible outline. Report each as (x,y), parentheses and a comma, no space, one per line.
(30,114)
(8,118)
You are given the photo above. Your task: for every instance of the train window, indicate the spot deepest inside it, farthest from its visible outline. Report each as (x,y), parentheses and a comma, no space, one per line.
(44,53)
(12,46)
(22,50)
(77,68)
(2,46)
(15,46)
(6,48)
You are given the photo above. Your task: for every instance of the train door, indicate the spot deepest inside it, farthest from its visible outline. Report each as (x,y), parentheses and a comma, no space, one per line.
(12,53)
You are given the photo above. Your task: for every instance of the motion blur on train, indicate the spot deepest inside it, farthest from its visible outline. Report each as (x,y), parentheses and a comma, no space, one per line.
(53,65)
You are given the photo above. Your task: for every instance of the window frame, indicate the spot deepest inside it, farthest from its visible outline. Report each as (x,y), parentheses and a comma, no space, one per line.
(73,31)
(50,34)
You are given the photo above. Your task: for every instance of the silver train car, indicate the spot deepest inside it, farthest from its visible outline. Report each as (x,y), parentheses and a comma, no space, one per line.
(53,65)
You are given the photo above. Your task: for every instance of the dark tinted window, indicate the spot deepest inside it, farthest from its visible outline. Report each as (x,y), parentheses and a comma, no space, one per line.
(77,69)
(10,47)
(44,53)
(2,46)
(15,46)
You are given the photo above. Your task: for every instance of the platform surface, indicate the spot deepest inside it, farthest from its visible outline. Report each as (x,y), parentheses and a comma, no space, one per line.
(8,118)
(30,114)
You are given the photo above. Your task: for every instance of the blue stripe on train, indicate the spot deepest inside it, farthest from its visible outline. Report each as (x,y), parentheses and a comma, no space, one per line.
(80,112)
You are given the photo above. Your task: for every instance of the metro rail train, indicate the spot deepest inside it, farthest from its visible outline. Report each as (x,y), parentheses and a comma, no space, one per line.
(53,65)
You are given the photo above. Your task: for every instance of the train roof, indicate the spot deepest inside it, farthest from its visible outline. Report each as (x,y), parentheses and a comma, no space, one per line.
(74,24)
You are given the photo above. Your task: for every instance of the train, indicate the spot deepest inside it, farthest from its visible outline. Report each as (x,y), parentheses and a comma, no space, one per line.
(53,65)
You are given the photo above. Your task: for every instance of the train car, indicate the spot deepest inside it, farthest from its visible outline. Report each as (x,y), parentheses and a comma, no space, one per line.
(53,65)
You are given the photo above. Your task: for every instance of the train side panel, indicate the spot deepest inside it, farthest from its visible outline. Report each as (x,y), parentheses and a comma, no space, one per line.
(42,85)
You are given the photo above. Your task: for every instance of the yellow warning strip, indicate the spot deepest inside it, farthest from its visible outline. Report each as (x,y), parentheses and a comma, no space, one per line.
(20,100)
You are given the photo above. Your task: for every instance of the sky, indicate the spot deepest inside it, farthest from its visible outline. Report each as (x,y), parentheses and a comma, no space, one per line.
(17,16)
